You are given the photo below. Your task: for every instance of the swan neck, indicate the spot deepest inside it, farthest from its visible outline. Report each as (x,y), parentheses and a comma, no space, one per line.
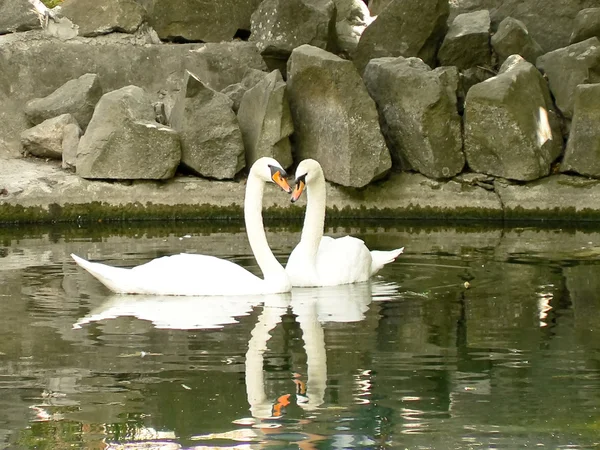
(314,220)
(270,267)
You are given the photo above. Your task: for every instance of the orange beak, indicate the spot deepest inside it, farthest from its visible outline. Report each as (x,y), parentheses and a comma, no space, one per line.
(282,402)
(298,189)
(280,181)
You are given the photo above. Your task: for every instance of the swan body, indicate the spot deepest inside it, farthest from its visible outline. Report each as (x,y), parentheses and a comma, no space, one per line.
(200,275)
(322,260)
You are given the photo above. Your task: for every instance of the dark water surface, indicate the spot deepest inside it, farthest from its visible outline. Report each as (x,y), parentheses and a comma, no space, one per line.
(474,338)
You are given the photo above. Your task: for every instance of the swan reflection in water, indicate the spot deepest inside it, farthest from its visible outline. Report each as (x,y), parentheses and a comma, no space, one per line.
(311,306)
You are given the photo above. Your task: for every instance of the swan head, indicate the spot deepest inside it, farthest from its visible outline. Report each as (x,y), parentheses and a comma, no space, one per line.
(307,171)
(269,170)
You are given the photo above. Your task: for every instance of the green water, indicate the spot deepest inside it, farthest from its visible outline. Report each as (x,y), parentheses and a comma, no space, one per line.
(474,338)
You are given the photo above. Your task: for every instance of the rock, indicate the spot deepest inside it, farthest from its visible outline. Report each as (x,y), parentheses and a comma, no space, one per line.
(95,18)
(223,64)
(71,135)
(266,122)
(568,67)
(123,141)
(352,17)
(554,197)
(279,26)
(76,97)
(404,28)
(211,141)
(550,22)
(512,38)
(586,25)
(376,6)
(190,20)
(236,91)
(17,15)
(468,78)
(32,66)
(417,107)
(335,120)
(46,139)
(583,147)
(467,43)
(41,191)
(506,136)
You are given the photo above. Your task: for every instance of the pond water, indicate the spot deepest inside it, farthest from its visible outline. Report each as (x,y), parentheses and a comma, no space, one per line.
(474,338)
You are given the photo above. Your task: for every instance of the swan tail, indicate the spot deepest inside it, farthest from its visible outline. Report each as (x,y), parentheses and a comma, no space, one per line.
(381,258)
(114,278)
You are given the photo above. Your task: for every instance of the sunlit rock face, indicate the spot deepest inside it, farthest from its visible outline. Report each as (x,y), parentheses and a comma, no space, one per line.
(505,136)
(335,120)
(352,17)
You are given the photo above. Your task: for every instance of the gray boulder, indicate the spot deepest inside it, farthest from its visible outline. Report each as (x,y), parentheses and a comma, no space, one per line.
(550,22)
(46,139)
(568,67)
(76,97)
(508,126)
(95,18)
(236,91)
(512,38)
(266,122)
(191,20)
(467,43)
(27,59)
(220,65)
(17,15)
(583,147)
(71,136)
(335,120)
(124,142)
(404,28)
(279,26)
(587,25)
(352,17)
(417,107)
(211,141)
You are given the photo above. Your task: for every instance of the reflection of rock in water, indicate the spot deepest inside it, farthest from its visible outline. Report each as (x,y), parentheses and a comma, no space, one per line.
(583,285)
(502,307)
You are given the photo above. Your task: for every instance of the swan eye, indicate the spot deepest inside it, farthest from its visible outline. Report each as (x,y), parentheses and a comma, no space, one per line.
(299,187)
(278,176)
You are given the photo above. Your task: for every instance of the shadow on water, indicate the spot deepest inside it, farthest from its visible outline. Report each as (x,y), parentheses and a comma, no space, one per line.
(475,337)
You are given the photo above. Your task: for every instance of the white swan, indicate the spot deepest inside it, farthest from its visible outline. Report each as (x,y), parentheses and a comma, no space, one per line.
(192,274)
(321,260)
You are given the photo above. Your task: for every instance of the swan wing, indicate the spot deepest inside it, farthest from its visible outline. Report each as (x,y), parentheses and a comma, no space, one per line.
(381,258)
(182,274)
(342,261)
